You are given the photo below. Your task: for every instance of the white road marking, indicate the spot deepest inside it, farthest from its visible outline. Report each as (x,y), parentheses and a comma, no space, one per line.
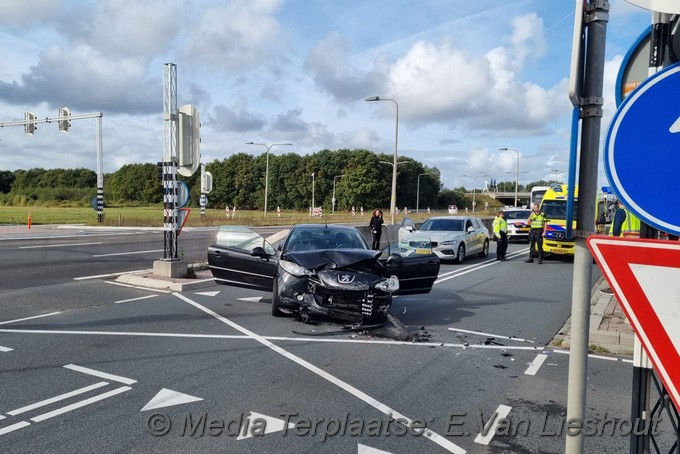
(363,449)
(51,400)
(271,425)
(59,245)
(80,404)
(207,293)
(479,333)
(467,269)
(252,299)
(428,433)
(536,364)
(13,427)
(135,299)
(298,339)
(104,375)
(168,398)
(102,276)
(5,349)
(484,438)
(128,253)
(28,318)
(272,338)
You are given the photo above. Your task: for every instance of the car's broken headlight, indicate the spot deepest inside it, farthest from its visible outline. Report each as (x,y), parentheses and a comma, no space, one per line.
(390,284)
(294,269)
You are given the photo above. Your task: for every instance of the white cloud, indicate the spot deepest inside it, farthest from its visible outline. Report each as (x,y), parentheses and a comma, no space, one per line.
(236,35)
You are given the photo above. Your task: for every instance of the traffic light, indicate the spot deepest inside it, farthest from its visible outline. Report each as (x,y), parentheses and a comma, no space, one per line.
(29,126)
(64,122)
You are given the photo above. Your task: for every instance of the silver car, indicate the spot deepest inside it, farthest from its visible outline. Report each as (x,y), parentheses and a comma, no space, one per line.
(453,237)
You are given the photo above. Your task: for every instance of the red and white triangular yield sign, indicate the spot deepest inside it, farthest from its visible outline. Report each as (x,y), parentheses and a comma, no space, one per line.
(645,277)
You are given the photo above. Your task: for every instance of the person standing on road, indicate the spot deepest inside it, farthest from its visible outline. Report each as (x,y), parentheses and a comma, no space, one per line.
(500,231)
(625,223)
(537,222)
(375,224)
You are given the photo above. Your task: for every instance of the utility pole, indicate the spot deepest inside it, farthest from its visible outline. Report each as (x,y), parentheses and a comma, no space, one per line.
(588,101)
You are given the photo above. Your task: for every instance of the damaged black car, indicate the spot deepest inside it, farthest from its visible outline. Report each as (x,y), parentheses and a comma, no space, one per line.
(321,269)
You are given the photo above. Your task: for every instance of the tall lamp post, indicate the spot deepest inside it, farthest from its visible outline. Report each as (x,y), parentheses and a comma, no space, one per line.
(516,170)
(312,193)
(393,196)
(333,199)
(266,173)
(418,192)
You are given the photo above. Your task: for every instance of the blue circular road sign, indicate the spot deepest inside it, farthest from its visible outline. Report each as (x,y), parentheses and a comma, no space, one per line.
(642,150)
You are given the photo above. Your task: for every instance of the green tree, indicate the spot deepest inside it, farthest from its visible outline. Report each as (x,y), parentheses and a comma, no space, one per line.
(6,181)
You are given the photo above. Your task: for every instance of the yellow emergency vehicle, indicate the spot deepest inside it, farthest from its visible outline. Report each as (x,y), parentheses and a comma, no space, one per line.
(554,205)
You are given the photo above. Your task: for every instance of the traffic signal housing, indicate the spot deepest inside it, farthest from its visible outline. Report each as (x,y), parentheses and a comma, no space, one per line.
(64,122)
(29,126)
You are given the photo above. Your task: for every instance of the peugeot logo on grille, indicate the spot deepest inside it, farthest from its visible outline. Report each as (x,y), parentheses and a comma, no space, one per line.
(345,278)
(559,236)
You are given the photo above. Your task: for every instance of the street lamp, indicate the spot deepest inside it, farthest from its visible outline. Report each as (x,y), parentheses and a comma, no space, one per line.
(474,186)
(393,196)
(418,192)
(333,199)
(554,174)
(312,193)
(516,170)
(266,173)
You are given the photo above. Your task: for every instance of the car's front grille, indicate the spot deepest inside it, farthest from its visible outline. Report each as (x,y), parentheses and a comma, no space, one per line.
(367,303)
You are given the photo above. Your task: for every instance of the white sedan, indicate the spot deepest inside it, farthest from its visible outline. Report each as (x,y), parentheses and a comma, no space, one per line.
(452,237)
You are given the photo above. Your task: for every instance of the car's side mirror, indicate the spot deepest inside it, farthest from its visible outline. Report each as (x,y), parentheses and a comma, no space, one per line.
(394,261)
(410,228)
(470,229)
(260,252)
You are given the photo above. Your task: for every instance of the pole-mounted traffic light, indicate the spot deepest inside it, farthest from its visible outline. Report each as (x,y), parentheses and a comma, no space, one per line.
(29,127)
(64,122)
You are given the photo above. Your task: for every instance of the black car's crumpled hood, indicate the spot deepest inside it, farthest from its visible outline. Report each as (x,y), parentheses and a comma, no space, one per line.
(330,258)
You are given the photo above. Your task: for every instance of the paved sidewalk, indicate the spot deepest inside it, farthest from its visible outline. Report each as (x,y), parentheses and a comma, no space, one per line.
(610,331)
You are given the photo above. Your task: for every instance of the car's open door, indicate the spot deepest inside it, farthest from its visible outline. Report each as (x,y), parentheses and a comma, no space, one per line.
(413,262)
(242,258)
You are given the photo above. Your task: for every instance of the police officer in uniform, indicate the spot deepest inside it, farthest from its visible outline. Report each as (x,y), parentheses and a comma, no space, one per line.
(500,231)
(625,223)
(537,222)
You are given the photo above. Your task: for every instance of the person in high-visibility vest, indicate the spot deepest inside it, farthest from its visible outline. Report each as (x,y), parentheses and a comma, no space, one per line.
(538,222)
(625,223)
(500,231)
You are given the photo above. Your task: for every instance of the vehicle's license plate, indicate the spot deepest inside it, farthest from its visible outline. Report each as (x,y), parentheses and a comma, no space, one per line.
(560,251)
(421,250)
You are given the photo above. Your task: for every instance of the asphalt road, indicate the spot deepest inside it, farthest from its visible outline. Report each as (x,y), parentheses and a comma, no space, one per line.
(88,365)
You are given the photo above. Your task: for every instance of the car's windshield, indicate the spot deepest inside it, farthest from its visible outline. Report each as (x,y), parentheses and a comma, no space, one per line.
(305,238)
(519,214)
(557,209)
(452,225)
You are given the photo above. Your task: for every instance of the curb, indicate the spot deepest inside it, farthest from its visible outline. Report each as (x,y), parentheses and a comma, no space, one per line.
(602,311)
(156,282)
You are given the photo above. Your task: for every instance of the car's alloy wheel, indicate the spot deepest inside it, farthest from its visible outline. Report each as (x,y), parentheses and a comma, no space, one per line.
(485,249)
(460,255)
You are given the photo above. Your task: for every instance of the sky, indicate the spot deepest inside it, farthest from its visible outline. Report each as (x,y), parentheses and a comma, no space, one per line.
(467,78)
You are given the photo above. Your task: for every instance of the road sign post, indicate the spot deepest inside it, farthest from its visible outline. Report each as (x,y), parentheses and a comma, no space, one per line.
(645,277)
